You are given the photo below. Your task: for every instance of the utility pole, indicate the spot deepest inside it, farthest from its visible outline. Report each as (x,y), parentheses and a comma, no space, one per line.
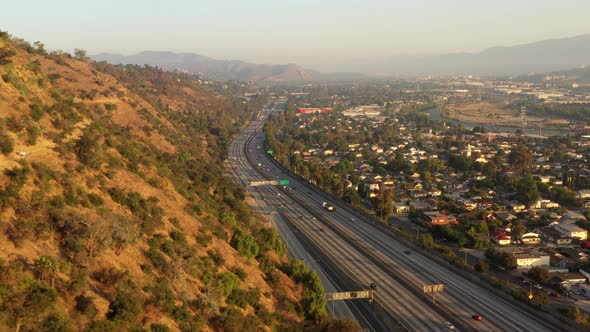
(417,232)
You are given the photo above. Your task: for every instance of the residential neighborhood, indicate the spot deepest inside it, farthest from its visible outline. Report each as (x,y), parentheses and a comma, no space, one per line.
(524,195)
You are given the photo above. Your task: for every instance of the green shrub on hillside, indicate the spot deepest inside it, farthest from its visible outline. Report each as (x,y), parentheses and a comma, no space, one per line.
(25,304)
(17,82)
(33,132)
(110,107)
(245,244)
(5,55)
(159,328)
(18,177)
(55,323)
(37,111)
(88,150)
(125,307)
(227,283)
(6,144)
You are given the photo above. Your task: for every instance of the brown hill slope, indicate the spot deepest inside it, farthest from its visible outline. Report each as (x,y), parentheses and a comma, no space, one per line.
(113,212)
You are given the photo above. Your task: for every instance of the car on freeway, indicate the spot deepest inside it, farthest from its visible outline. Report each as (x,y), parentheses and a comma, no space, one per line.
(477,317)
(373,286)
(449,325)
(537,286)
(407,252)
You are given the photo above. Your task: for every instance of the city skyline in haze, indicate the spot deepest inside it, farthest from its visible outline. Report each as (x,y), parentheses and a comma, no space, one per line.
(305,32)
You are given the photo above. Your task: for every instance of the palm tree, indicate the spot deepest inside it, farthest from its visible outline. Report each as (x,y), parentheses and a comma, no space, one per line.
(47,268)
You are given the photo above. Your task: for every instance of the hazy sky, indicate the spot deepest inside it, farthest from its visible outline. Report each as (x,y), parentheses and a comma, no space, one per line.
(302,31)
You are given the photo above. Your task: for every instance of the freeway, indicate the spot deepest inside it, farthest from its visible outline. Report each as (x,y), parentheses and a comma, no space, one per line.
(369,254)
(296,249)
(408,309)
(243,172)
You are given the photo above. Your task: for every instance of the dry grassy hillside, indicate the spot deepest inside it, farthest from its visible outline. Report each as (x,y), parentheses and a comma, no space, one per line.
(113,212)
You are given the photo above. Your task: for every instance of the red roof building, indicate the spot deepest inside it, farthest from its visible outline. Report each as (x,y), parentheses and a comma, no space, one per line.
(315,110)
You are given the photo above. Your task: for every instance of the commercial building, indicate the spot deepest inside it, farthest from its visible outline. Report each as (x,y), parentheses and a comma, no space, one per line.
(572,230)
(530,259)
(315,110)
(436,218)
(527,258)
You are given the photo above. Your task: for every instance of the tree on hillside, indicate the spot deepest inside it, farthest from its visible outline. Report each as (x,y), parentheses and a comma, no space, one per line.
(40,48)
(88,149)
(5,55)
(314,303)
(4,36)
(26,304)
(80,54)
(521,159)
(6,144)
(124,232)
(244,243)
(46,267)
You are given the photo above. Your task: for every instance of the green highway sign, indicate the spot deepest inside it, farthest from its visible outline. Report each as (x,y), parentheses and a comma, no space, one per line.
(283,182)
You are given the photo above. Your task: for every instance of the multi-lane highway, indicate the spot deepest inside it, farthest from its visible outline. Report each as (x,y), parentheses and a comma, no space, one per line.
(369,254)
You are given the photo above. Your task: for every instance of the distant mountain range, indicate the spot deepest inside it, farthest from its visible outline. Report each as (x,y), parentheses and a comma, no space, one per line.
(543,56)
(221,69)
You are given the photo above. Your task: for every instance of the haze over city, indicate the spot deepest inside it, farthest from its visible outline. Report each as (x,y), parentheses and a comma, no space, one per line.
(315,34)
